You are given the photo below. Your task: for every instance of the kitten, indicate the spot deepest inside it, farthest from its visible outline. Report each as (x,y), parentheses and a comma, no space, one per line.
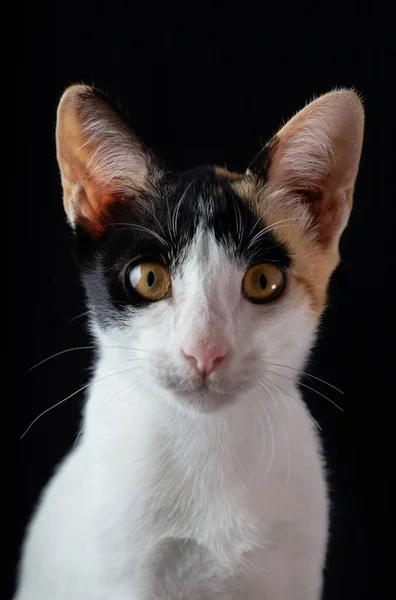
(198,474)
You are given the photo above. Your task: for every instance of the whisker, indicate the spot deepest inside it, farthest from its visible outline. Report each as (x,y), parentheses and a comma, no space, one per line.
(107,402)
(294,400)
(273,228)
(309,388)
(159,224)
(177,207)
(80,348)
(135,358)
(78,435)
(123,401)
(273,443)
(323,396)
(255,225)
(71,396)
(288,449)
(41,362)
(146,229)
(263,432)
(79,316)
(307,375)
(322,380)
(120,392)
(238,218)
(252,251)
(272,434)
(169,221)
(270,228)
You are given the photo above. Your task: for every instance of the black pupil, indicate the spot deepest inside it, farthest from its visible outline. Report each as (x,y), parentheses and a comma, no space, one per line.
(150,279)
(263,281)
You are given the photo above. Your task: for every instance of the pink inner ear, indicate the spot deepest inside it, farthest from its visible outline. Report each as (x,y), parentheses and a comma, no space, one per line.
(94,201)
(315,158)
(91,197)
(332,213)
(100,159)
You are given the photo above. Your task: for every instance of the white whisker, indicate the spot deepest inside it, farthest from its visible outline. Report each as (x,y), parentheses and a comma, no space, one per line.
(177,208)
(80,348)
(132,359)
(78,435)
(273,440)
(123,401)
(273,444)
(287,441)
(263,432)
(71,396)
(309,388)
(323,396)
(59,354)
(307,375)
(107,401)
(146,229)
(158,223)
(238,218)
(294,400)
(255,225)
(79,316)
(269,228)
(118,393)
(169,221)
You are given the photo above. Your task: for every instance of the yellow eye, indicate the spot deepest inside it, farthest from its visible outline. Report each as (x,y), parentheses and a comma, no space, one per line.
(263,283)
(151,280)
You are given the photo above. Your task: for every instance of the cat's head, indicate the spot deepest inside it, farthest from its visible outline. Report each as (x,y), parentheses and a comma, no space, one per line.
(211,276)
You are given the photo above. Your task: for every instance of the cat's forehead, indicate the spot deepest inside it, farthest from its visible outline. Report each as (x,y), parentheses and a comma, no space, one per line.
(206,199)
(210,175)
(208,192)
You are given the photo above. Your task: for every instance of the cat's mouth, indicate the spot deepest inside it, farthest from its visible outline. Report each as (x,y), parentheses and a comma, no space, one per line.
(204,394)
(206,397)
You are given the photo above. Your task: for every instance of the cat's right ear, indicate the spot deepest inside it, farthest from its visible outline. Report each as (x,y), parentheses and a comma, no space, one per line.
(310,165)
(100,159)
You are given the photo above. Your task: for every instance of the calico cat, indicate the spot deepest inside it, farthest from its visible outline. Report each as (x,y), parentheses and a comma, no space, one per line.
(198,474)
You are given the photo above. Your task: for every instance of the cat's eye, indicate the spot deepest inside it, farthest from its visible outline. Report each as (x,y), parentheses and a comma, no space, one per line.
(263,283)
(150,280)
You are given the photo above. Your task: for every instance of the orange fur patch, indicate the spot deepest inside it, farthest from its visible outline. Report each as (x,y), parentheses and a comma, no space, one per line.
(221,172)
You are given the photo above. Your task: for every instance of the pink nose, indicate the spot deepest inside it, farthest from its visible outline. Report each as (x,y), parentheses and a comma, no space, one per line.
(205,356)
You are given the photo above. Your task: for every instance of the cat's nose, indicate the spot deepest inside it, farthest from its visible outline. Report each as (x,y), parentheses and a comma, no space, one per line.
(207,357)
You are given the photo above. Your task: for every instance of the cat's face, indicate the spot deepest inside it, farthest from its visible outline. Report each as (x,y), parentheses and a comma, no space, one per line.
(211,277)
(202,287)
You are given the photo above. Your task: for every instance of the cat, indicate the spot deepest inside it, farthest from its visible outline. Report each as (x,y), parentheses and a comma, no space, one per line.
(199,471)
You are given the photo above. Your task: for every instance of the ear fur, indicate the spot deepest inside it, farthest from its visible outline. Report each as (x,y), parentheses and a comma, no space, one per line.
(100,159)
(314,160)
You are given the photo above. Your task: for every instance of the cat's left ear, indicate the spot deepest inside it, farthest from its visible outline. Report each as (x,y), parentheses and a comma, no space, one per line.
(101,160)
(312,162)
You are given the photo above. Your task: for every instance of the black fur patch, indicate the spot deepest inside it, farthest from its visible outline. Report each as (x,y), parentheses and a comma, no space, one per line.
(159,226)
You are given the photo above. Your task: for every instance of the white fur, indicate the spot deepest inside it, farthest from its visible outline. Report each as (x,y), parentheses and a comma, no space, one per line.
(159,499)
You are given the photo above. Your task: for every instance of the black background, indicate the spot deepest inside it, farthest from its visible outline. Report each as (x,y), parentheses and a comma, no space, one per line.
(208,85)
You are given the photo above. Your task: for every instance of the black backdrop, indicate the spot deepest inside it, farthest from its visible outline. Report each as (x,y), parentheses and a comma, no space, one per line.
(203,85)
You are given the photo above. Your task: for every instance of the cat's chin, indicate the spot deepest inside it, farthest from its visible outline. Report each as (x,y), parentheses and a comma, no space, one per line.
(196,394)
(205,398)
